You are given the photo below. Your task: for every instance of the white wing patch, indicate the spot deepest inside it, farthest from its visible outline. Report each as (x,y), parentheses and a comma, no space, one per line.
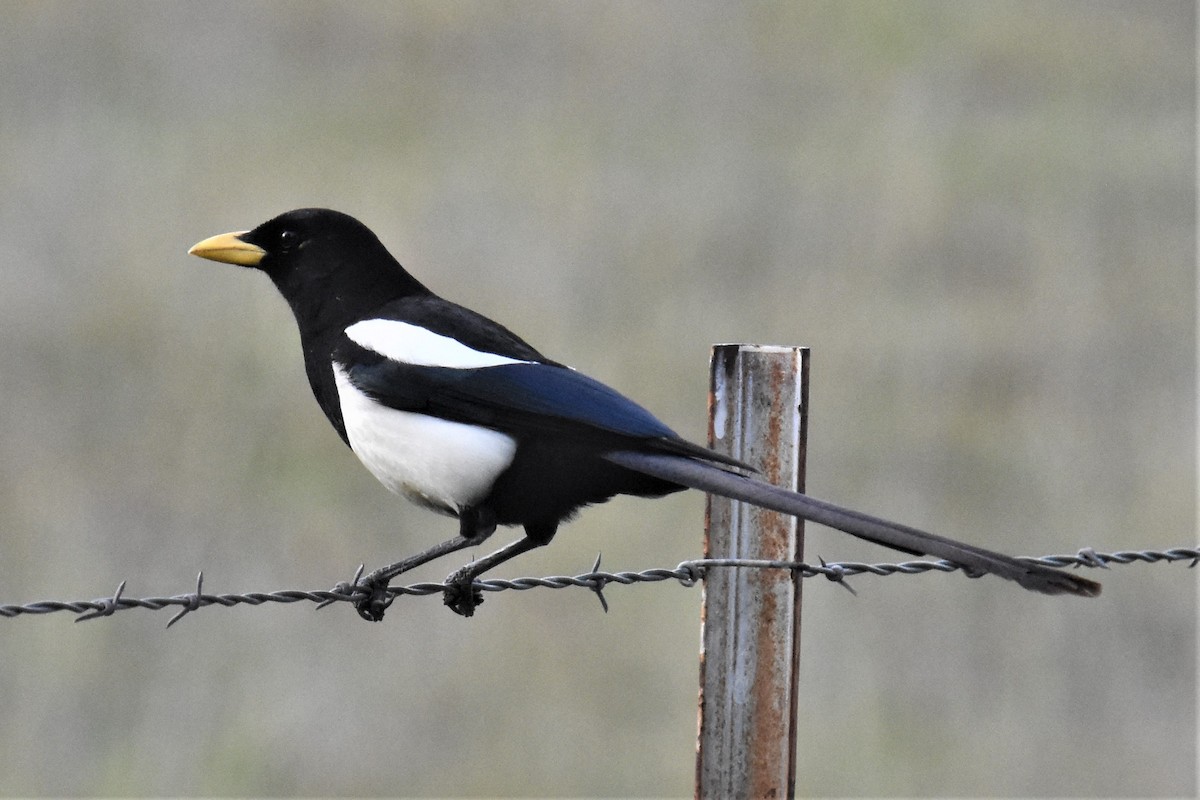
(436,463)
(412,344)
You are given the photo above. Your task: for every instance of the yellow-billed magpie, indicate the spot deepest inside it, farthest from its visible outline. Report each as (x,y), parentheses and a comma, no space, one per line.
(458,414)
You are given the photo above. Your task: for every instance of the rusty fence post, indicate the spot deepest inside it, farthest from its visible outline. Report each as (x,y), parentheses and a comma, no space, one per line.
(750,645)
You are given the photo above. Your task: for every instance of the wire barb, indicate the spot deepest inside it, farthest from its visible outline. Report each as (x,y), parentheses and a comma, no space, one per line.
(345,591)
(598,588)
(837,575)
(192,604)
(1090,557)
(686,573)
(106,606)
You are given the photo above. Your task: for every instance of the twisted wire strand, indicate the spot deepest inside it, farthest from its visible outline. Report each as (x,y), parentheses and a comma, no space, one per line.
(687,573)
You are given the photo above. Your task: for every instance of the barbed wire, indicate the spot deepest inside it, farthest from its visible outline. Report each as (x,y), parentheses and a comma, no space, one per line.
(687,573)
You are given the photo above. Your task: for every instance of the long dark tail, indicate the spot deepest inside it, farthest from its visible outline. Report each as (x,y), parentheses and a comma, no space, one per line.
(696,474)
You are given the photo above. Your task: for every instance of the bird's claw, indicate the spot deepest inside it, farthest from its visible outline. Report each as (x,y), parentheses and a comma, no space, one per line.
(461,595)
(372,606)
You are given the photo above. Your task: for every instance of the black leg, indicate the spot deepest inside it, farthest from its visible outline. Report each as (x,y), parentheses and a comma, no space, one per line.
(462,597)
(474,526)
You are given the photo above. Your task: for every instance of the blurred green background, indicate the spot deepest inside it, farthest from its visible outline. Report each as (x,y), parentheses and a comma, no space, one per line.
(980,215)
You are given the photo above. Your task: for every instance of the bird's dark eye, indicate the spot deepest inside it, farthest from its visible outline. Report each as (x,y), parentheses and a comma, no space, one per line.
(289,238)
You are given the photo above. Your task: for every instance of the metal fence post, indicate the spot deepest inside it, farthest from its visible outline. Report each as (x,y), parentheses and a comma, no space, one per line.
(750,644)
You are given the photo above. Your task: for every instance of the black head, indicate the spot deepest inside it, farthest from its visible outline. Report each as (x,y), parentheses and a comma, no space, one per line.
(328,265)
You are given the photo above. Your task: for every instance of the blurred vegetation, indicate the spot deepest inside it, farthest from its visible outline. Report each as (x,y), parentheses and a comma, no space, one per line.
(980,215)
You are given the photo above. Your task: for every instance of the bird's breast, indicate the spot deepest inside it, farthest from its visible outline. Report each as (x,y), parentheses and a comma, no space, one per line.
(436,463)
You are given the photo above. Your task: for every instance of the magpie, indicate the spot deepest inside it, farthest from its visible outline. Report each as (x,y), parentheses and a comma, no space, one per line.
(460,415)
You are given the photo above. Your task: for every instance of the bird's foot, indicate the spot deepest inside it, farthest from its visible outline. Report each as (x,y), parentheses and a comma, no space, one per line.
(461,595)
(372,606)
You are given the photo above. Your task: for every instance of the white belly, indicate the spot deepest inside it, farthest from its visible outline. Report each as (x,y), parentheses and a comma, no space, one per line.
(444,465)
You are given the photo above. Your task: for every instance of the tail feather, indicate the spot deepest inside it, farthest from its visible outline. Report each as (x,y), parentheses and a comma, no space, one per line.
(697,474)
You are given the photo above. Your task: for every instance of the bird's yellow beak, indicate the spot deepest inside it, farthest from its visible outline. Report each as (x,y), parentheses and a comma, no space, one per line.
(229,248)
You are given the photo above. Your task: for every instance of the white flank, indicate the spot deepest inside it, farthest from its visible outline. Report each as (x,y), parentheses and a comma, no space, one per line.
(412,344)
(443,465)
